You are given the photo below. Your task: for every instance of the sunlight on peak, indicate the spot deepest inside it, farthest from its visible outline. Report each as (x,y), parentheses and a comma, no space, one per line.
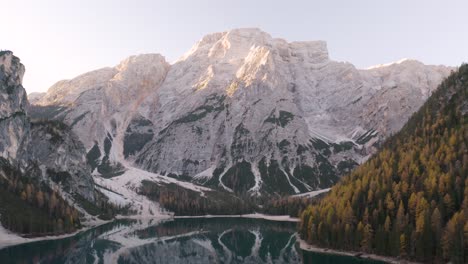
(389,64)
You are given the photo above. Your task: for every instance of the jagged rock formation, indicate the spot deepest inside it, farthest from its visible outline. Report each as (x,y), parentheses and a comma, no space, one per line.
(14,124)
(241,111)
(60,157)
(46,150)
(100,104)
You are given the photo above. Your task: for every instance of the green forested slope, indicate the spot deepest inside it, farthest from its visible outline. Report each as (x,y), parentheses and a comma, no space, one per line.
(410,199)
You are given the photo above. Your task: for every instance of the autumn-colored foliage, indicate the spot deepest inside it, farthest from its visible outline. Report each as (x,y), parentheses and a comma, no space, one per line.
(410,199)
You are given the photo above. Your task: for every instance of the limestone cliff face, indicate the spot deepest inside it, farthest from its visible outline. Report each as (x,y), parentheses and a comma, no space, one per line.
(48,150)
(101,108)
(14,124)
(60,156)
(242,111)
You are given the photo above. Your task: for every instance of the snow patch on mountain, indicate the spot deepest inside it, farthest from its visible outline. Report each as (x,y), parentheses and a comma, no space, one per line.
(311,194)
(123,190)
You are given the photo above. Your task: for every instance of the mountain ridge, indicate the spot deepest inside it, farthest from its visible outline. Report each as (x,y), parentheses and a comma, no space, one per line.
(282,113)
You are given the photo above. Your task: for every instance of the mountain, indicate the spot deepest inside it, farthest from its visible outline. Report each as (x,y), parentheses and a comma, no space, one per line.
(241,112)
(14,125)
(35,97)
(49,146)
(42,164)
(411,198)
(46,174)
(98,104)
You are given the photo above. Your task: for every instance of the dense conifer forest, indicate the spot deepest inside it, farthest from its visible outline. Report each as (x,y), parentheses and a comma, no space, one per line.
(185,202)
(411,199)
(31,208)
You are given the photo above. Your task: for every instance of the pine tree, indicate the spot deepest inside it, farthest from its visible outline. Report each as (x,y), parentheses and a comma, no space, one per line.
(436,225)
(388,224)
(403,245)
(367,236)
(40,198)
(453,243)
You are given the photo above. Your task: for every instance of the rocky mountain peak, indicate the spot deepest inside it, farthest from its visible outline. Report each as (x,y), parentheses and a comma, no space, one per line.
(139,64)
(244,111)
(230,62)
(13,103)
(402,62)
(237,44)
(12,68)
(149,69)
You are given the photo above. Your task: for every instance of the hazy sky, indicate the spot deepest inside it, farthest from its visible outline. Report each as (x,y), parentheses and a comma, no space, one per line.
(60,39)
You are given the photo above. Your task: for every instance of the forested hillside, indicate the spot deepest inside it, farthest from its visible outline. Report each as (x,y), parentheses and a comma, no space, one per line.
(410,199)
(33,208)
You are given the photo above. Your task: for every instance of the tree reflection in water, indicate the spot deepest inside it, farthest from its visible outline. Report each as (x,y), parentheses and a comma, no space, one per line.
(200,240)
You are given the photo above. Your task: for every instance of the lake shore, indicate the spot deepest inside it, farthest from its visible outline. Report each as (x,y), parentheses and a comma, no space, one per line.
(280,218)
(308,247)
(8,238)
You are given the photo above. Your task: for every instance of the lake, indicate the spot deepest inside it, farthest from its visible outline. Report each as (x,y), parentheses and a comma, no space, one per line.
(189,240)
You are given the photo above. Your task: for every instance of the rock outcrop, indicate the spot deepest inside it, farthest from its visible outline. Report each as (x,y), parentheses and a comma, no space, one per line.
(47,150)
(14,124)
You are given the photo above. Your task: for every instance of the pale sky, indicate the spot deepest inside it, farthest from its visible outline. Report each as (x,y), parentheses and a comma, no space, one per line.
(60,39)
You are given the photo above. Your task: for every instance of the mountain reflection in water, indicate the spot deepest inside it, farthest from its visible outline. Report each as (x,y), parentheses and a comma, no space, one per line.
(199,240)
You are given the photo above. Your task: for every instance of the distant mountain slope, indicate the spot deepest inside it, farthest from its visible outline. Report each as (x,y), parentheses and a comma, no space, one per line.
(411,198)
(241,111)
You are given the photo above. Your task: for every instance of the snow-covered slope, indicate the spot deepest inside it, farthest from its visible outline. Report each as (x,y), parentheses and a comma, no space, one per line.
(241,111)
(124,191)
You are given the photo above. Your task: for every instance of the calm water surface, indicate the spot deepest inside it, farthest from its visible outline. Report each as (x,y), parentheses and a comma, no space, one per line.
(214,240)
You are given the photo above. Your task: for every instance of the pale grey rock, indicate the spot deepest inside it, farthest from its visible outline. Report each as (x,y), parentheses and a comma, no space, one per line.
(60,155)
(35,97)
(243,111)
(47,150)
(100,105)
(14,124)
